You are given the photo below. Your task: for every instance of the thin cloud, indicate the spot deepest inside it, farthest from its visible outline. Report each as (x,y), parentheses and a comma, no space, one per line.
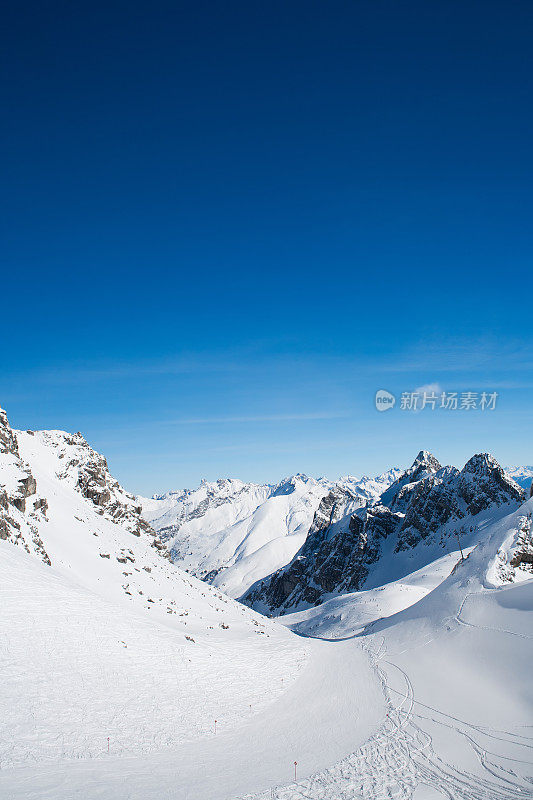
(462,356)
(421,392)
(428,388)
(260,418)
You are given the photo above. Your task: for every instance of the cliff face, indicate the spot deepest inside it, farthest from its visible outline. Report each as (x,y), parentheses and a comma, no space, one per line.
(232,534)
(69,459)
(21,509)
(344,544)
(86,469)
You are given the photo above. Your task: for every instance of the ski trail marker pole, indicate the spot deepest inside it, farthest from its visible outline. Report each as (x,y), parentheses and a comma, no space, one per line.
(295,765)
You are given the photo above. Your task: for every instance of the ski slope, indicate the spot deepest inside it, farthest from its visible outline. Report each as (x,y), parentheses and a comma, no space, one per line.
(77,670)
(456,670)
(115,665)
(349,614)
(434,701)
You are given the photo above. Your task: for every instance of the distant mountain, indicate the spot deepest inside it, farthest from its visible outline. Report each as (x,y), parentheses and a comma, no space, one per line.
(523,476)
(232,534)
(416,518)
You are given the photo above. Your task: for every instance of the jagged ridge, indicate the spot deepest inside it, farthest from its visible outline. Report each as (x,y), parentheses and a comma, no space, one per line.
(344,544)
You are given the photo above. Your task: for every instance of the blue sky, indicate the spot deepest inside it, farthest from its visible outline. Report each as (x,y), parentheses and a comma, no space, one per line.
(225,226)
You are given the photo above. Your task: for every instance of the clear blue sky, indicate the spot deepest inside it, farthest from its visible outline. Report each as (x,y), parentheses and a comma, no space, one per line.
(226,225)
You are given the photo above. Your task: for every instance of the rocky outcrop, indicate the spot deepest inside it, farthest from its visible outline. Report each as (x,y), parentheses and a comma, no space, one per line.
(514,559)
(23,511)
(8,440)
(344,543)
(522,556)
(88,471)
(18,517)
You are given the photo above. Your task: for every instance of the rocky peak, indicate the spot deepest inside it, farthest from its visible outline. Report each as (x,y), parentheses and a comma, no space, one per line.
(289,485)
(20,508)
(481,464)
(424,464)
(483,482)
(86,470)
(345,542)
(8,440)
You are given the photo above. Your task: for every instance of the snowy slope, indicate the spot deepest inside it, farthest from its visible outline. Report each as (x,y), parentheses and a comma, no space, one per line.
(348,614)
(234,528)
(455,670)
(78,668)
(116,664)
(233,534)
(105,642)
(455,667)
(100,634)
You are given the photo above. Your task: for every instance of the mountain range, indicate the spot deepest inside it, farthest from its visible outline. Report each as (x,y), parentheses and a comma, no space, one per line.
(281,547)
(128,670)
(232,534)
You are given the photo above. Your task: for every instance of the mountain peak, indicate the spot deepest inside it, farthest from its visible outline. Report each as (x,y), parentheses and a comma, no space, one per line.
(481,463)
(425,458)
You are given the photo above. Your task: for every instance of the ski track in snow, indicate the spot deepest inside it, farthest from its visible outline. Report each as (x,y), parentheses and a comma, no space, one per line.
(82,662)
(462,621)
(400,761)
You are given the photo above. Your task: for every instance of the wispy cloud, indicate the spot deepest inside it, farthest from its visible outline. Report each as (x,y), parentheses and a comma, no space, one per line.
(261,418)
(473,355)
(138,370)
(428,388)
(424,391)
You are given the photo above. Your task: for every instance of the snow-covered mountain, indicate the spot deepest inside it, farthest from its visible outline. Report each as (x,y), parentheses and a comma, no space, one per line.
(453,651)
(100,634)
(125,677)
(232,534)
(523,476)
(416,520)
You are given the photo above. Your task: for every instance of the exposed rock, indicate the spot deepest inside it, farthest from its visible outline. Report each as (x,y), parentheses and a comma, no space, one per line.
(514,560)
(17,485)
(8,440)
(88,472)
(344,543)
(522,556)
(222,531)
(41,504)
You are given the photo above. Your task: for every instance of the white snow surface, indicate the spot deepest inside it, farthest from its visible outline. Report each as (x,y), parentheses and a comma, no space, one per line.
(135,650)
(237,533)
(421,690)
(78,668)
(348,614)
(456,669)
(523,476)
